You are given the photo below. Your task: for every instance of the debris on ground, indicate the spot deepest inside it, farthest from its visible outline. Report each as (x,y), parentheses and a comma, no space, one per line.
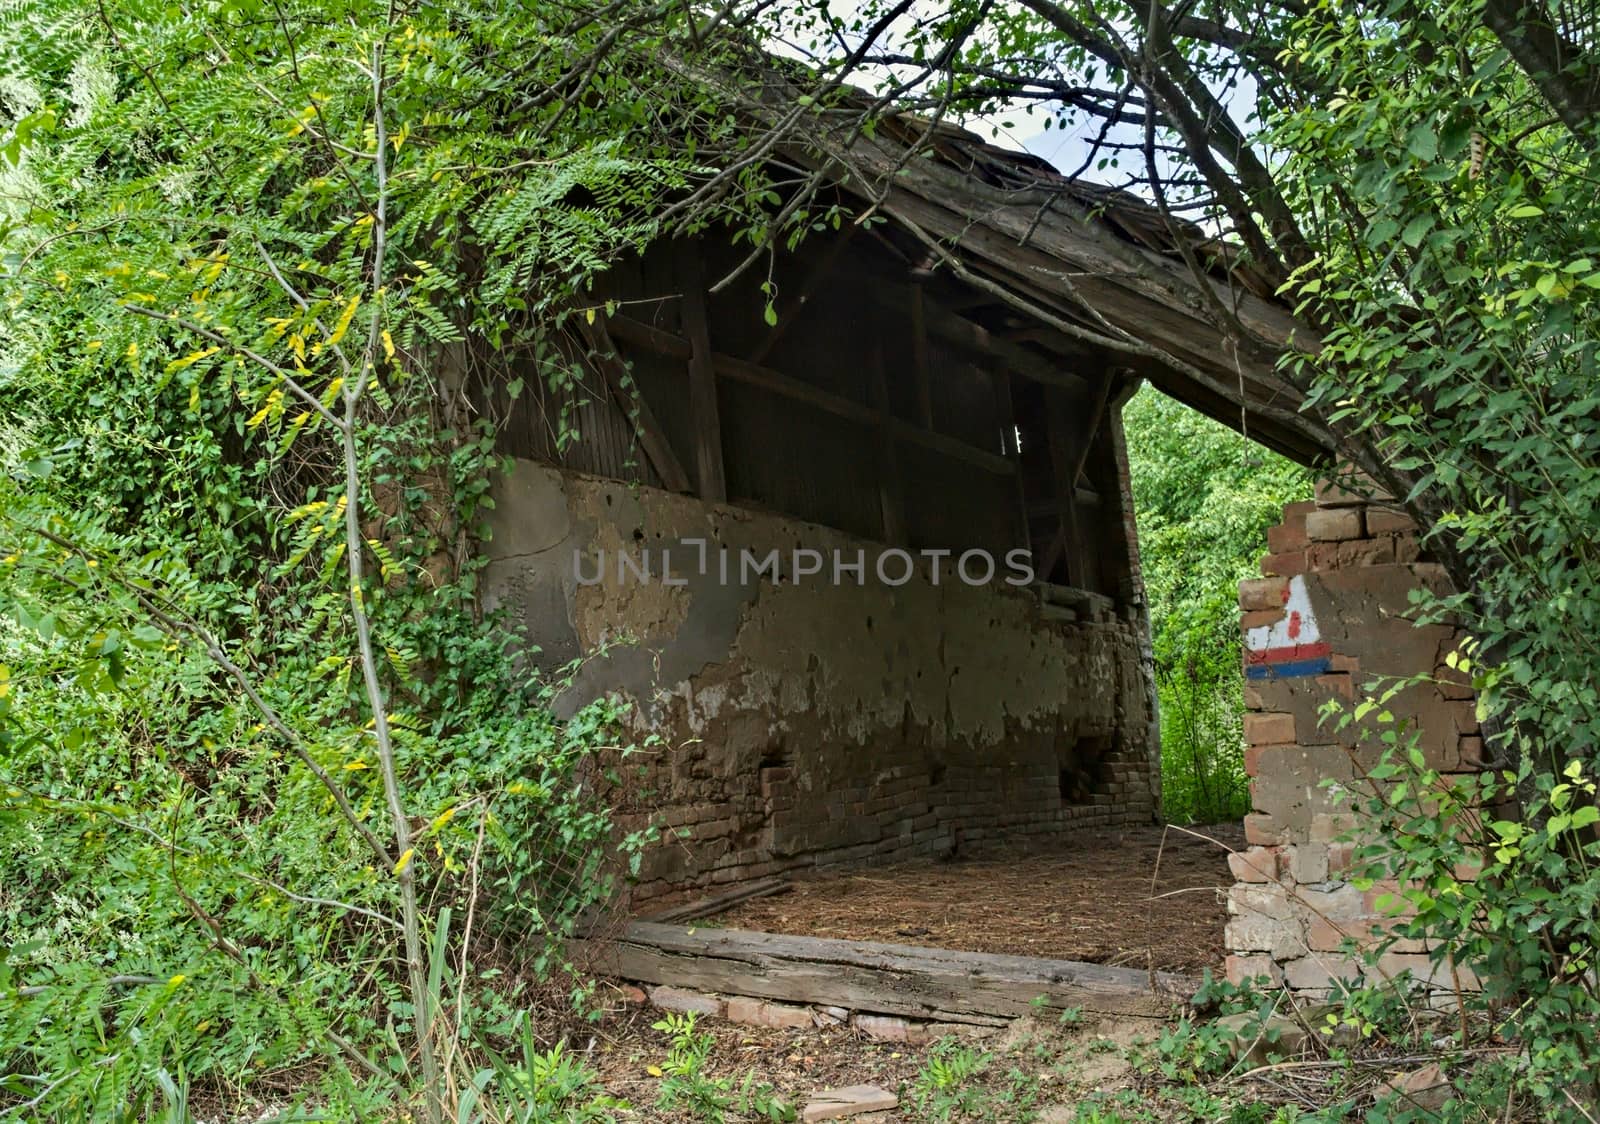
(854,1100)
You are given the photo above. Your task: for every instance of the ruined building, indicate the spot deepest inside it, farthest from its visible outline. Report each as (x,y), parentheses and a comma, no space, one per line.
(792,535)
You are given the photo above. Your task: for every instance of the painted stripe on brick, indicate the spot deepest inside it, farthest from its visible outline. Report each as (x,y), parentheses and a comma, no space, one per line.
(1289,653)
(1293,669)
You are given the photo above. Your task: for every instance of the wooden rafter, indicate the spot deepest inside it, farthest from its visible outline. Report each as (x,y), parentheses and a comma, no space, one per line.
(652,438)
(753,374)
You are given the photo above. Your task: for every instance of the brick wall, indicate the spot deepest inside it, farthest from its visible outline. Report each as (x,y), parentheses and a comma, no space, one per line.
(1330,612)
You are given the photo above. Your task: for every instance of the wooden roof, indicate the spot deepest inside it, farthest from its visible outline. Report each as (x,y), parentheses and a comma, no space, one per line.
(1063,270)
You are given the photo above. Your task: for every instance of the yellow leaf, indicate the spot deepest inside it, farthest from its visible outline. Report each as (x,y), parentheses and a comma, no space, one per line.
(177,981)
(654,1071)
(265,412)
(345,317)
(5,681)
(588,314)
(133,351)
(388,345)
(96,345)
(405,860)
(191,359)
(352,766)
(442,818)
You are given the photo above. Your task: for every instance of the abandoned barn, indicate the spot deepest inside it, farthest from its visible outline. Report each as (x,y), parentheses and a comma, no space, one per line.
(866,559)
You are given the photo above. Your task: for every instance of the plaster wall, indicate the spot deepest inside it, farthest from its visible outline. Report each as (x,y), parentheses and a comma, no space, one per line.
(804,720)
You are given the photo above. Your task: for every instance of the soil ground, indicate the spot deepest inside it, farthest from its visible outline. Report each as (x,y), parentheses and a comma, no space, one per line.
(1140,897)
(1035,1070)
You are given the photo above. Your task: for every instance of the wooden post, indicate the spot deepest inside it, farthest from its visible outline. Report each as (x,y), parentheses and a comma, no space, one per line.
(919,358)
(890,495)
(1063,465)
(703,410)
(1006,412)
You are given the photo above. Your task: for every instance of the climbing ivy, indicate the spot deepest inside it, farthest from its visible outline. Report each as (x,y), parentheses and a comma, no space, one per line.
(258,745)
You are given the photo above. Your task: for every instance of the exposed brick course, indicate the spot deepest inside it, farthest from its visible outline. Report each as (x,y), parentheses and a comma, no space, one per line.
(1292,909)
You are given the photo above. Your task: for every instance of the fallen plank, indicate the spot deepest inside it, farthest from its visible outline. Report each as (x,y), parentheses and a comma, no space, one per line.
(912,982)
(705,907)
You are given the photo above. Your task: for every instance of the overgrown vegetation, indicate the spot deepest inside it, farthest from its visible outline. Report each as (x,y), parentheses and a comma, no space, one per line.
(274,799)
(260,760)
(1205,497)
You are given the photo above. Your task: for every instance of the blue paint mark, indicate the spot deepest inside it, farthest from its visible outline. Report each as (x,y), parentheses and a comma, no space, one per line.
(1289,669)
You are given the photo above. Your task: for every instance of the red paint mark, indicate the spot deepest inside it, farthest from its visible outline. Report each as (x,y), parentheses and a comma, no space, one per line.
(1288,653)
(1285,598)
(1294,625)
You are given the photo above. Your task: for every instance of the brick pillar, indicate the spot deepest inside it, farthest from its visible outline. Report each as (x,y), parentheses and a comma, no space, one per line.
(1329,613)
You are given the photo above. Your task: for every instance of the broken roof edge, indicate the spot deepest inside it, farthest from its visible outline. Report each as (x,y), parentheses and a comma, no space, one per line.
(1048,256)
(1085,261)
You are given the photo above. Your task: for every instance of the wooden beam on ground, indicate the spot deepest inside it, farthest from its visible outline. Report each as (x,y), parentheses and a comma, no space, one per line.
(912,982)
(717,903)
(652,438)
(703,411)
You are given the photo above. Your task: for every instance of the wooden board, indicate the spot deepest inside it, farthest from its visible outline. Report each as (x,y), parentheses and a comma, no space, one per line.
(705,907)
(912,982)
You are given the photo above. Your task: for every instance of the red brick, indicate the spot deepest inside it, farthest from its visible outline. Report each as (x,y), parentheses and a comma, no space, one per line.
(1269,729)
(1258,864)
(1257,618)
(1262,829)
(1286,538)
(1242,968)
(1320,973)
(1341,857)
(883,1028)
(1337,684)
(682,999)
(1259,759)
(1335,524)
(1386,520)
(758,1012)
(1354,552)
(1286,564)
(1263,593)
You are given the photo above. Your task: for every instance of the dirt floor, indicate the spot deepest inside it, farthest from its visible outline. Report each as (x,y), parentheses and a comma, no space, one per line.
(1088,898)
